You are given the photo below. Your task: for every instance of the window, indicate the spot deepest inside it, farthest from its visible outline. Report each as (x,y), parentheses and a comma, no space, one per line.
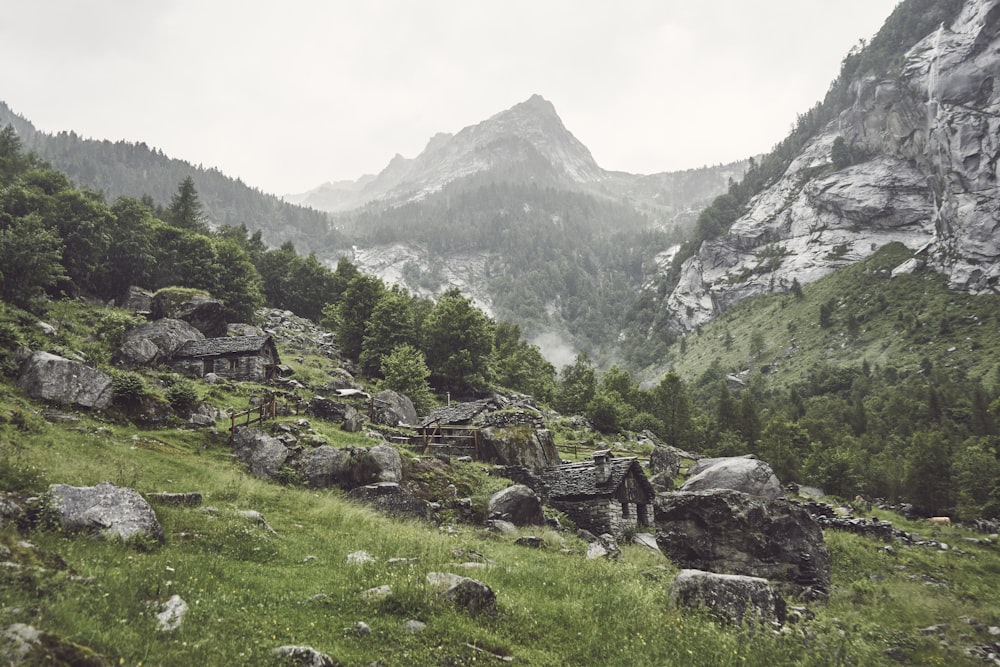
(234,363)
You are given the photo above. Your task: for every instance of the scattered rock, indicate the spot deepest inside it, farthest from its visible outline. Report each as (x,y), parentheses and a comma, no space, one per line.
(105,509)
(736,598)
(377,593)
(262,454)
(604,546)
(390,498)
(53,378)
(190,499)
(531,541)
(172,614)
(359,558)
(256,517)
(304,656)
(413,627)
(517,504)
(362,629)
(22,644)
(469,594)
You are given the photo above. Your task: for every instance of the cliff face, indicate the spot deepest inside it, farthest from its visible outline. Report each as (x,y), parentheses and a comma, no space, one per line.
(913,159)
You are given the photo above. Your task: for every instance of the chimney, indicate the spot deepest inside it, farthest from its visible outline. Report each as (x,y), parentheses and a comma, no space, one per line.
(602,466)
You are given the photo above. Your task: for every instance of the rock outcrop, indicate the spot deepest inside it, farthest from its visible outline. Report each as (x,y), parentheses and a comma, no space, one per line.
(517,504)
(106,510)
(735,598)
(57,379)
(154,342)
(203,313)
(729,532)
(532,449)
(737,473)
(924,174)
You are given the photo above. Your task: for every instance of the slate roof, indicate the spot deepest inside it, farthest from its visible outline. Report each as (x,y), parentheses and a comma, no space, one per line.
(213,347)
(459,413)
(580,479)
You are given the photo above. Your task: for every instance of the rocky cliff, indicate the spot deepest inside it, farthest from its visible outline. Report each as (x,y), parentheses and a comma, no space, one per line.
(528,141)
(913,159)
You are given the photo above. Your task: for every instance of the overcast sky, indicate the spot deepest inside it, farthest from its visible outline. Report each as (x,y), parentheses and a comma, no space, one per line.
(288,95)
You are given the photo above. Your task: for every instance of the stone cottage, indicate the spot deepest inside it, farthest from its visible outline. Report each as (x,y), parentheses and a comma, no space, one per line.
(245,358)
(603,495)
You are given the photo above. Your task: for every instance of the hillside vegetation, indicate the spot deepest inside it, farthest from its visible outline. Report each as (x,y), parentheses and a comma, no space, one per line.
(251,589)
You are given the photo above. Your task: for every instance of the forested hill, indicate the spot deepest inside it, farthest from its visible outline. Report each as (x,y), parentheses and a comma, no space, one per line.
(129,169)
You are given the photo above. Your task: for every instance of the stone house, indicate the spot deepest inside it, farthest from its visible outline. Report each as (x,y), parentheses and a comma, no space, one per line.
(245,358)
(604,495)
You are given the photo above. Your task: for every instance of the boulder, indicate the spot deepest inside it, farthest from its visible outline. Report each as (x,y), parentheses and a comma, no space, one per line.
(665,460)
(22,644)
(54,378)
(729,532)
(154,342)
(105,509)
(330,410)
(262,454)
(303,656)
(393,409)
(203,313)
(469,594)
(532,449)
(390,498)
(605,547)
(739,474)
(517,504)
(662,482)
(136,300)
(323,466)
(10,512)
(390,463)
(735,598)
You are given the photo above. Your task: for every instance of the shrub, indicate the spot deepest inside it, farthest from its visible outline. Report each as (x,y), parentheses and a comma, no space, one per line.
(129,388)
(182,395)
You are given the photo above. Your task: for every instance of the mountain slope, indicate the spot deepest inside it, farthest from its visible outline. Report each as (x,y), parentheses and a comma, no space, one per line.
(134,170)
(910,158)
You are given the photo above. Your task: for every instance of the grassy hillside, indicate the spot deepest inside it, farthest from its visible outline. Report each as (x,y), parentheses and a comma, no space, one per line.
(250,590)
(887,322)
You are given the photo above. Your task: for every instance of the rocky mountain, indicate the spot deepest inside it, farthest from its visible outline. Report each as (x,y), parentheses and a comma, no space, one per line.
(911,158)
(526,143)
(529,138)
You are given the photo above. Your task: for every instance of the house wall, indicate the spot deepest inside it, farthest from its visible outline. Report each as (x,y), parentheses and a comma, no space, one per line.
(248,368)
(600,515)
(605,515)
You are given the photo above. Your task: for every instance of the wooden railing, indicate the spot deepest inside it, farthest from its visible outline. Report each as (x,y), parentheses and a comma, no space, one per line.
(435,437)
(268,409)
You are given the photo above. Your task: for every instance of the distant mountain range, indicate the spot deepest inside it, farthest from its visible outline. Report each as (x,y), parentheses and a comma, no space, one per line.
(527,143)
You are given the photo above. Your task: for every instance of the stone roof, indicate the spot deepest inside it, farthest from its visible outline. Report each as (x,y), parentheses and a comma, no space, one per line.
(459,413)
(581,479)
(213,347)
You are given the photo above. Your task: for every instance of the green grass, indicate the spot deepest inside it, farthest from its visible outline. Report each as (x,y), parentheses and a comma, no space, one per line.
(250,591)
(901,321)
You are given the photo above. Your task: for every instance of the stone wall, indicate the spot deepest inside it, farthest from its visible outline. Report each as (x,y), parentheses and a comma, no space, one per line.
(599,516)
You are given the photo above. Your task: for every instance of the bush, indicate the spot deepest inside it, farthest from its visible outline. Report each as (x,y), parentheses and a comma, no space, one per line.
(129,388)
(182,395)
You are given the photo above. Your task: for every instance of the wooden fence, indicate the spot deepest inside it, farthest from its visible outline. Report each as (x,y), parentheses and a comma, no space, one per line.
(268,409)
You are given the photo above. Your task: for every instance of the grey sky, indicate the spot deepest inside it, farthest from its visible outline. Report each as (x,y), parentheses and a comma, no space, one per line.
(289,95)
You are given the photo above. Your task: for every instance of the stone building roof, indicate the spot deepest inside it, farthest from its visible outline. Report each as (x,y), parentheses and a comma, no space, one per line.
(214,347)
(582,480)
(459,413)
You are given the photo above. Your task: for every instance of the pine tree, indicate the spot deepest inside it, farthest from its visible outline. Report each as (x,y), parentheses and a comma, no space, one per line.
(185,209)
